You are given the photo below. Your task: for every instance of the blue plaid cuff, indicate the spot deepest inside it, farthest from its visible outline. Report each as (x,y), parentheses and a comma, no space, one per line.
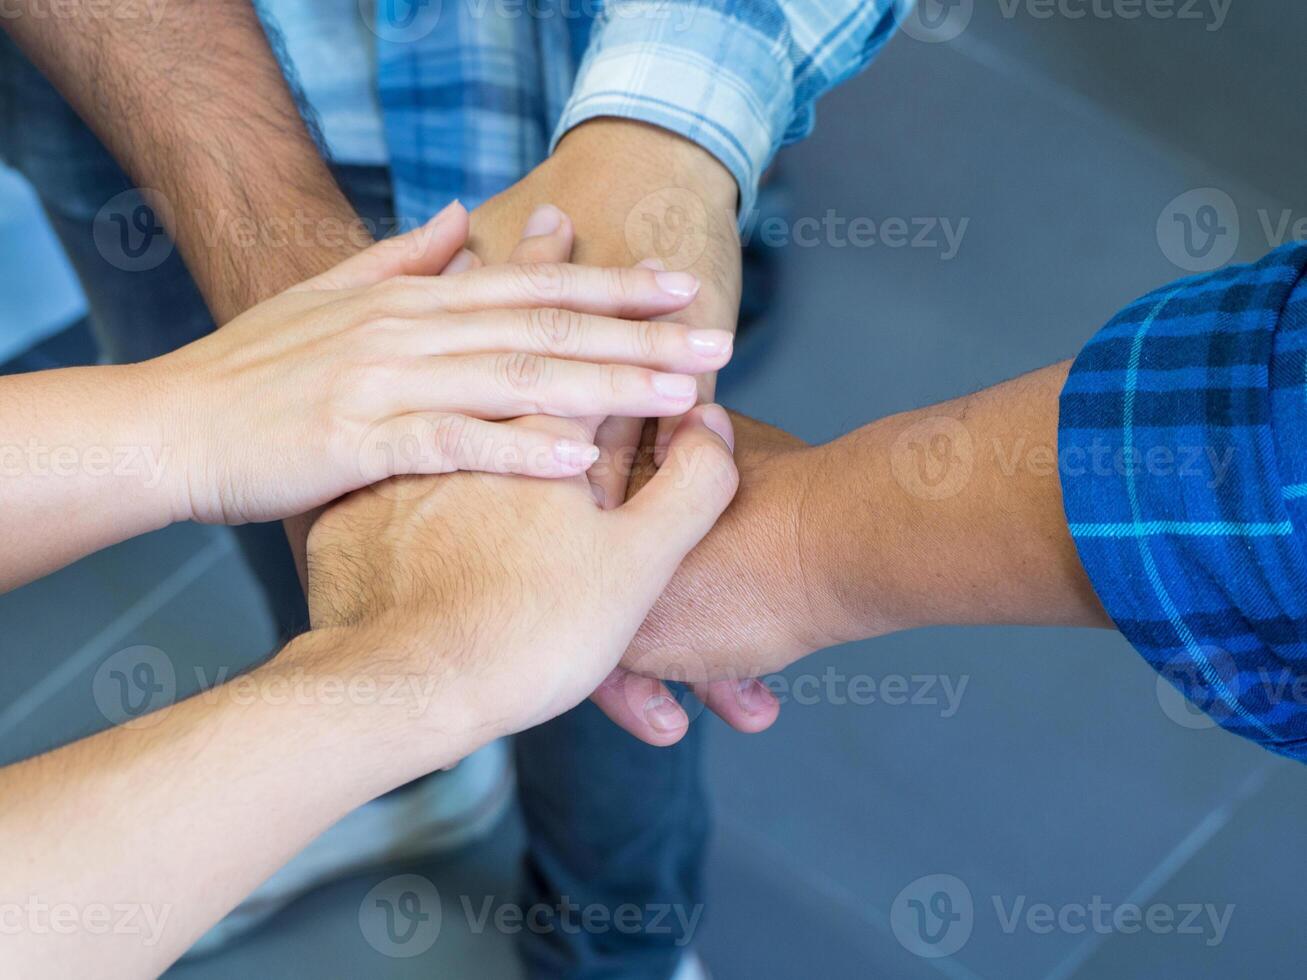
(697,69)
(1184,479)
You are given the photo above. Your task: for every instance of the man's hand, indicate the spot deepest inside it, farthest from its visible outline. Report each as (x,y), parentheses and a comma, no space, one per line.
(520,595)
(634,193)
(919,519)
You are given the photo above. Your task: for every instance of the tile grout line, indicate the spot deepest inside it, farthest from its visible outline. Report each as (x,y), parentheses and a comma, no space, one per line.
(832,889)
(129,619)
(1171,864)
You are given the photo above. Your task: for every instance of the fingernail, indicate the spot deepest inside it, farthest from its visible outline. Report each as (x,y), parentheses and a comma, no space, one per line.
(677,386)
(655,263)
(715,418)
(544,220)
(678,284)
(710,343)
(440,215)
(461,262)
(752,696)
(664,714)
(575,453)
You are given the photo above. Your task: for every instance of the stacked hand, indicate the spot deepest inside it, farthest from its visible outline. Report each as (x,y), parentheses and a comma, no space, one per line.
(380,368)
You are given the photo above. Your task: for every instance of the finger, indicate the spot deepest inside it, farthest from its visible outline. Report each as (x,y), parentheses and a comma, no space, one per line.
(634,293)
(430,443)
(667,427)
(618,440)
(642,706)
(425,251)
(575,336)
(546,237)
(465,261)
(683,500)
(748,706)
(498,386)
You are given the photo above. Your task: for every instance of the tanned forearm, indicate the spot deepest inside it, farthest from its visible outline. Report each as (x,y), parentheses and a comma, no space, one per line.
(951,514)
(189,98)
(946,515)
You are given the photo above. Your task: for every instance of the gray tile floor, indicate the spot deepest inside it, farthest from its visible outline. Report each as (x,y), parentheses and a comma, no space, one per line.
(1058,776)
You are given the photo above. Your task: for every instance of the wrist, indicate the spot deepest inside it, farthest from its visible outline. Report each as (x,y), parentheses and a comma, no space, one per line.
(384,689)
(651,155)
(848,529)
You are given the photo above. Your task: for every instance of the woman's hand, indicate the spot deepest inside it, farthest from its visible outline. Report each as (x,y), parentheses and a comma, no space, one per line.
(332,386)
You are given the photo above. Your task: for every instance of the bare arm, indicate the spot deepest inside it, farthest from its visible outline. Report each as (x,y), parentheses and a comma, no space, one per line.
(946,515)
(189,98)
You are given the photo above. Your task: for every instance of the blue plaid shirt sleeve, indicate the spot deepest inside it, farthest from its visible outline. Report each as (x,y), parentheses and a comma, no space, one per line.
(1184,479)
(738,77)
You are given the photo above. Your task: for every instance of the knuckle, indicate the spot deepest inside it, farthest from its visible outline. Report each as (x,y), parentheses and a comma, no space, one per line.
(619,284)
(447,436)
(613,379)
(520,373)
(544,281)
(647,336)
(555,330)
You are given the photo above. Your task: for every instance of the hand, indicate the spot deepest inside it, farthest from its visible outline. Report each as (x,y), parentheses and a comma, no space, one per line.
(352,377)
(634,192)
(643,706)
(744,603)
(519,596)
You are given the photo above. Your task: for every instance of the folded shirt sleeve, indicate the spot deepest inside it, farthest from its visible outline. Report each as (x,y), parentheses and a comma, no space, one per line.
(1184,479)
(738,77)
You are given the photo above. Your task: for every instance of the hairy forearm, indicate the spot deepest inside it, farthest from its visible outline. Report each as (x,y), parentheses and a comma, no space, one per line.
(950,514)
(180,814)
(189,98)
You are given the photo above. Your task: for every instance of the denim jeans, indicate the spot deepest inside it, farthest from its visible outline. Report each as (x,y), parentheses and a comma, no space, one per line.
(612,823)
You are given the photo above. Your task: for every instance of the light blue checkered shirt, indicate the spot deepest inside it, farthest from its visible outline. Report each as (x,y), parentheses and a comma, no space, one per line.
(469,95)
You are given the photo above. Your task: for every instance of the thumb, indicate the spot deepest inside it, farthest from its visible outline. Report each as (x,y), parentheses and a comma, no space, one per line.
(424,251)
(692,488)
